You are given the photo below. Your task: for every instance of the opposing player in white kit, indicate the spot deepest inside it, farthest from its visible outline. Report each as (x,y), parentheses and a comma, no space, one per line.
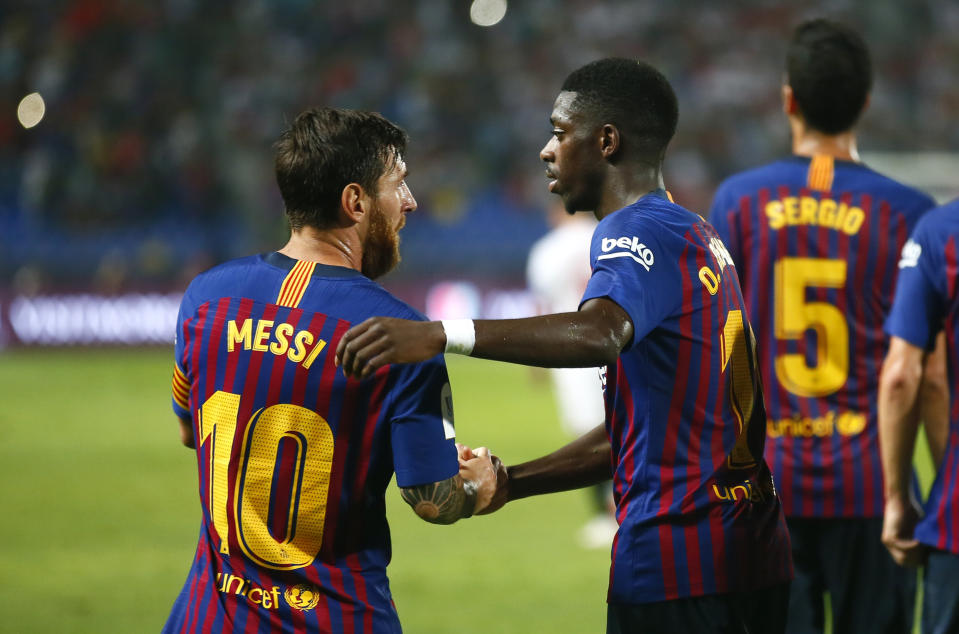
(557,272)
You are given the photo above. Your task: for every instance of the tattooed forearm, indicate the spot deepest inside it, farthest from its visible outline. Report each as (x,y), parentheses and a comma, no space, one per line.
(442,502)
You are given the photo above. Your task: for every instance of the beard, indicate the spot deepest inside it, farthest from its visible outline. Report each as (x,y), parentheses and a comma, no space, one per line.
(381,251)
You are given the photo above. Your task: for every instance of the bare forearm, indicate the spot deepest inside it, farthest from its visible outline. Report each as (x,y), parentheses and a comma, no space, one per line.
(584,462)
(590,337)
(186,432)
(442,502)
(564,340)
(898,421)
(934,401)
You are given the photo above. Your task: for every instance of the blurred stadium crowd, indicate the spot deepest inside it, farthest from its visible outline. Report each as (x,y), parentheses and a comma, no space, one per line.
(154,158)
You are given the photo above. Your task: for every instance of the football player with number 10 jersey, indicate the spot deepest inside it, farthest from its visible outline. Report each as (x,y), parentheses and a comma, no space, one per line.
(294,457)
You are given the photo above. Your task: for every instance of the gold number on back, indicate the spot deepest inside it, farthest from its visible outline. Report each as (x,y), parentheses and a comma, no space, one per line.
(794,316)
(735,356)
(313,439)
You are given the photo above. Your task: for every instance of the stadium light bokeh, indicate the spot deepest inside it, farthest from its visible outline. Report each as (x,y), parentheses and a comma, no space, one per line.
(31,110)
(487,12)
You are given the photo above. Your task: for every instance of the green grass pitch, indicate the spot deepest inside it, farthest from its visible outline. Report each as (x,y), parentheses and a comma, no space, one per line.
(101,513)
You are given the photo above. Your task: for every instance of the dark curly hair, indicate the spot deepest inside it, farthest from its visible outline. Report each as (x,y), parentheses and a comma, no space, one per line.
(326,149)
(633,96)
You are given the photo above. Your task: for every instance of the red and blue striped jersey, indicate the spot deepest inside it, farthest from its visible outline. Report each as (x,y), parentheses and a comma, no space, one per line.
(294,458)
(696,504)
(815,243)
(926,303)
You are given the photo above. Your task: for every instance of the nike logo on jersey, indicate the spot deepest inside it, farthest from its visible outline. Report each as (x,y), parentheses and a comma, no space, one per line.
(633,249)
(910,254)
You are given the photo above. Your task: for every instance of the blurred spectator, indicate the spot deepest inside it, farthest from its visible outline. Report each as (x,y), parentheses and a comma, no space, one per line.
(159,116)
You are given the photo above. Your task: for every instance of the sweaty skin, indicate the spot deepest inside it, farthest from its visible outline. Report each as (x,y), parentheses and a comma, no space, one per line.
(590,337)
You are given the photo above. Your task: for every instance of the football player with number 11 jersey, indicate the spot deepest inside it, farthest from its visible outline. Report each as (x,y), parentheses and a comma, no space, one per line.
(702,545)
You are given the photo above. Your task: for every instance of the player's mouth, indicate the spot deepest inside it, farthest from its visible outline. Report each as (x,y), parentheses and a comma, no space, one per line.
(553,179)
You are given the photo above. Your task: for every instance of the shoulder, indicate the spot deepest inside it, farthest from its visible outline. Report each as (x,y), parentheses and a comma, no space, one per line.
(388,304)
(213,282)
(942,222)
(905,196)
(646,229)
(755,178)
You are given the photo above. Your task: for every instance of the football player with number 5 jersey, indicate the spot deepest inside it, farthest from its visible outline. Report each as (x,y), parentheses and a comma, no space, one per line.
(815,238)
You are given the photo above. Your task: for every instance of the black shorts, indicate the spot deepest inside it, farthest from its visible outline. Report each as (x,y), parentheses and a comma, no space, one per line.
(940,602)
(758,611)
(844,556)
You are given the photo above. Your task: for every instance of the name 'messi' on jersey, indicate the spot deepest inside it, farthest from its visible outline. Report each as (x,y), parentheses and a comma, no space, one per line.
(806,210)
(299,346)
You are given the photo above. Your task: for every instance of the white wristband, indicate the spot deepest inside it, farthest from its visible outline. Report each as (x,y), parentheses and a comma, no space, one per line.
(460,336)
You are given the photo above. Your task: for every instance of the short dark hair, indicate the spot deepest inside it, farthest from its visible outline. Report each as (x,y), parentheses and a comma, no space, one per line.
(830,73)
(326,149)
(630,94)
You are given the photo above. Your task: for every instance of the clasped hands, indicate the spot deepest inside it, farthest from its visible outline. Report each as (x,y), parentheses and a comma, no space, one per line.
(489,475)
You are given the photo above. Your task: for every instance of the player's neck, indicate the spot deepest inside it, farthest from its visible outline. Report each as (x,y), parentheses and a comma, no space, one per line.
(336,247)
(809,142)
(627,184)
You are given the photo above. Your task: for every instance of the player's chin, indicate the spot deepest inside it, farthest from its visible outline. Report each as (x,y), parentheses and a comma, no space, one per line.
(570,204)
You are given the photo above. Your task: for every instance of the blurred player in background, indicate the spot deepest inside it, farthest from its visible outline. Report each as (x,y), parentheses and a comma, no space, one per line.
(702,545)
(815,238)
(294,458)
(927,301)
(557,272)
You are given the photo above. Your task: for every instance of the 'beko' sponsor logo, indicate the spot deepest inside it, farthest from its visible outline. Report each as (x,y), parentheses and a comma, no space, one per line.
(635,250)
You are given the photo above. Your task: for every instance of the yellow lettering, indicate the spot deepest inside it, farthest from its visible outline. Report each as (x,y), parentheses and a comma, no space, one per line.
(709,280)
(745,492)
(282,344)
(262,334)
(807,210)
(827,213)
(241,335)
(276,597)
(853,221)
(841,214)
(724,495)
(791,207)
(259,594)
(300,342)
(774,212)
(228,586)
(829,424)
(316,350)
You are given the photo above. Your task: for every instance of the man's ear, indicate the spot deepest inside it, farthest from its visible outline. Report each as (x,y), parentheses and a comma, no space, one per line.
(353,203)
(789,100)
(609,140)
